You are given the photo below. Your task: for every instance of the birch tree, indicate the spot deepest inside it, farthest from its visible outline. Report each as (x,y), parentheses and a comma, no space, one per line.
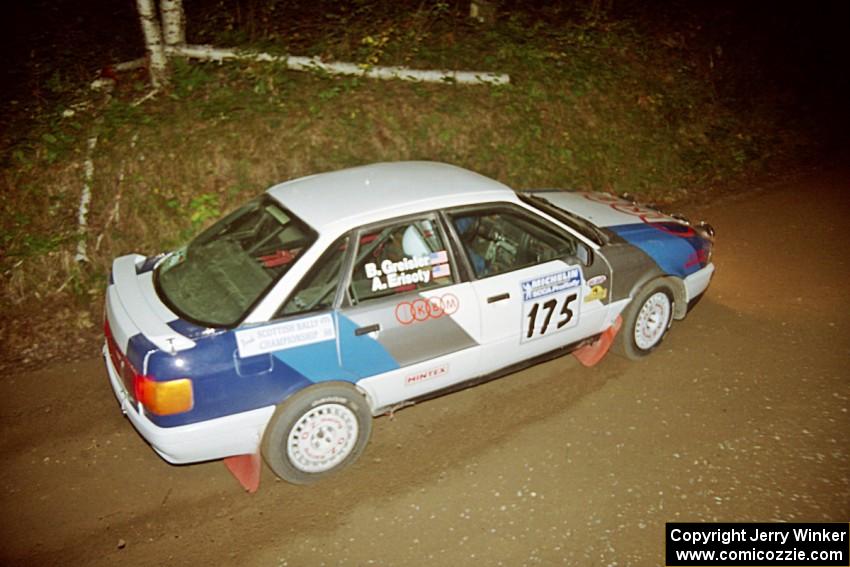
(173,22)
(153,42)
(169,39)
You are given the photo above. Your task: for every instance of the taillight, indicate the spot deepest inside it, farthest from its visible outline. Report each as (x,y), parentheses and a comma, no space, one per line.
(163,397)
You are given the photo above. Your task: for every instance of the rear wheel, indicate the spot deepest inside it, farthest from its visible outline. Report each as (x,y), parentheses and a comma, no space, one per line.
(645,321)
(317,432)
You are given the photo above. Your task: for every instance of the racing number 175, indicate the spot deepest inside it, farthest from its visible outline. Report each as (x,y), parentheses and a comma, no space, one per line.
(546,309)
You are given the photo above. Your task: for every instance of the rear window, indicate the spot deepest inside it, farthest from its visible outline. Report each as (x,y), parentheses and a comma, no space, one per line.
(223,272)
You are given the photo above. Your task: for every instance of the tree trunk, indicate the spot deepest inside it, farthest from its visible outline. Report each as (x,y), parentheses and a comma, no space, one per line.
(211,53)
(483,10)
(153,42)
(173,22)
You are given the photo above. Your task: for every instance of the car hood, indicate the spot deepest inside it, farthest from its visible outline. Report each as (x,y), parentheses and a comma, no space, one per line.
(603,209)
(672,243)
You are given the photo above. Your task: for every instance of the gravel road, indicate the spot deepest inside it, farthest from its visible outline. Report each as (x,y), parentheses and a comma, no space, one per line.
(741,415)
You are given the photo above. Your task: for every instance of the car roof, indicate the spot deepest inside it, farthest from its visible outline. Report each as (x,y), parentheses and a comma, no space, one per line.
(340,200)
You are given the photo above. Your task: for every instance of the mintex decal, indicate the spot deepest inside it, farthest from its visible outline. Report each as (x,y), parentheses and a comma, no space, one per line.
(425,375)
(423,309)
(281,336)
(550,284)
(409,270)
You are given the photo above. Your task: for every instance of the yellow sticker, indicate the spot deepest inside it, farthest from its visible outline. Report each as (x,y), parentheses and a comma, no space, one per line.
(596,292)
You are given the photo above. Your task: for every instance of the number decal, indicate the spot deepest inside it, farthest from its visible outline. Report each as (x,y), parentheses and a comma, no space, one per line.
(565,315)
(532,315)
(550,307)
(566,312)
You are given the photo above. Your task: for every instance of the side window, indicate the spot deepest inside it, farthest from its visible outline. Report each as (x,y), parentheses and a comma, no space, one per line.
(401,257)
(503,240)
(317,289)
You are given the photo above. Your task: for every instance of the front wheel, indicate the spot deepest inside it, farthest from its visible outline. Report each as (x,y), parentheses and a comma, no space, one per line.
(318,431)
(645,321)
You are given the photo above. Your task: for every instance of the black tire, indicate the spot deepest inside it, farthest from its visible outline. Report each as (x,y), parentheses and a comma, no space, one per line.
(335,425)
(645,321)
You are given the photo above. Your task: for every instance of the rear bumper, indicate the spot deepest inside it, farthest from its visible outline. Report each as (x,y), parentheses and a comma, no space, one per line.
(237,434)
(697,283)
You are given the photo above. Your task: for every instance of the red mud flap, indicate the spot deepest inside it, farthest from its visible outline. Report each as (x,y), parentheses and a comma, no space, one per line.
(246,469)
(590,354)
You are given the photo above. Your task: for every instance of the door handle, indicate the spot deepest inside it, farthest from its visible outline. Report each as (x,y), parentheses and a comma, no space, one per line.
(500,297)
(367,329)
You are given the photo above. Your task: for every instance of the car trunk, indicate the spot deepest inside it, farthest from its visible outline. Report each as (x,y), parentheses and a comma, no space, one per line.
(137,322)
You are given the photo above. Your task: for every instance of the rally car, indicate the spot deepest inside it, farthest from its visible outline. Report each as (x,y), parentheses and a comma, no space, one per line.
(286,326)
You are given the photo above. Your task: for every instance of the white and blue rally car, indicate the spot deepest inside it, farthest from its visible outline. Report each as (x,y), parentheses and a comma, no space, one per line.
(283,328)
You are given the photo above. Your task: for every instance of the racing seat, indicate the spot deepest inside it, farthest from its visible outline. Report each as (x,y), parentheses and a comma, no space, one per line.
(466,229)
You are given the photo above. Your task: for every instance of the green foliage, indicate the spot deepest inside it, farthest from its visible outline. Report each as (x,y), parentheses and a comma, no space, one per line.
(119,115)
(24,245)
(187,78)
(592,104)
(202,208)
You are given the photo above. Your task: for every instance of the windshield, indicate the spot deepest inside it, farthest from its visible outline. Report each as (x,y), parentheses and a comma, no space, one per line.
(222,273)
(572,220)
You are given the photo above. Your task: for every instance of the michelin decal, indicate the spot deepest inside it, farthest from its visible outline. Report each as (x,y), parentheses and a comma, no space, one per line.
(550,284)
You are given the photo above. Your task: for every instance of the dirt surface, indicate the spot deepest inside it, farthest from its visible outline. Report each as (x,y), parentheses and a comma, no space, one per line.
(741,415)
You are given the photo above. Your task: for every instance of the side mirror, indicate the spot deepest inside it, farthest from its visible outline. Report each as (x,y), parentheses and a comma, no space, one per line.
(585,254)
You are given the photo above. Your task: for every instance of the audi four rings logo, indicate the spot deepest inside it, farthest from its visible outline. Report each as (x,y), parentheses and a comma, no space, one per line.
(422,309)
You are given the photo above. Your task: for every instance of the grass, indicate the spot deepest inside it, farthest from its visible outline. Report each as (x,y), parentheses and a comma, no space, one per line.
(591,106)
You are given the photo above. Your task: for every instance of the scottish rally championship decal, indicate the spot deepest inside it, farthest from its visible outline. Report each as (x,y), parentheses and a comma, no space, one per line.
(281,336)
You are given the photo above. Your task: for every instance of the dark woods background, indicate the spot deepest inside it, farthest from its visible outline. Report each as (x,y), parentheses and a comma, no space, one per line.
(791,54)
